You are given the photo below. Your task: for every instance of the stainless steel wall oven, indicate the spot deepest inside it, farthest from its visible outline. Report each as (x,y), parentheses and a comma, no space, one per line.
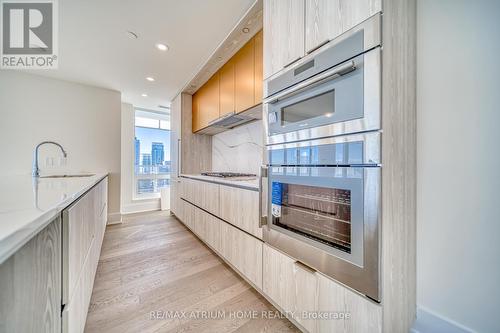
(324,166)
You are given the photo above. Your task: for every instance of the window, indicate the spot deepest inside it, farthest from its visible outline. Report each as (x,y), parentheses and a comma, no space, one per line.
(152,153)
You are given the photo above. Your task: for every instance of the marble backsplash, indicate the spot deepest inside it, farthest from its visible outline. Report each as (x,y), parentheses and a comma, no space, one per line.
(239,149)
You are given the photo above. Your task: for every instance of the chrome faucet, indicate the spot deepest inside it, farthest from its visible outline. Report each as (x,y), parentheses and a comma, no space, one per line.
(36,169)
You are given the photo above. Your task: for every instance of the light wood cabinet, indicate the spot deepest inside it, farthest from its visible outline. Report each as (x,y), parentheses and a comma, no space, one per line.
(227,88)
(296,288)
(364,315)
(290,285)
(244,77)
(238,87)
(202,194)
(30,285)
(78,235)
(284,34)
(327,19)
(243,251)
(83,227)
(241,208)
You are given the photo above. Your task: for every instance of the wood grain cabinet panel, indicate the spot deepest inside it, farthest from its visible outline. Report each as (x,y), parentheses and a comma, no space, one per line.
(78,234)
(259,69)
(226,93)
(202,194)
(284,34)
(297,288)
(30,285)
(207,99)
(327,19)
(365,315)
(243,251)
(196,120)
(241,208)
(291,285)
(244,77)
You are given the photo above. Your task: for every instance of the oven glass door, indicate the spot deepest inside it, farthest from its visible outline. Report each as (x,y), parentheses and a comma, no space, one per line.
(320,205)
(335,100)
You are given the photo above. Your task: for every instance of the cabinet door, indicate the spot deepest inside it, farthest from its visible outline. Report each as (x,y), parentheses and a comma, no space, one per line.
(196,115)
(244,77)
(364,315)
(78,234)
(241,208)
(327,19)
(293,286)
(30,284)
(174,197)
(209,105)
(258,60)
(284,34)
(243,251)
(226,77)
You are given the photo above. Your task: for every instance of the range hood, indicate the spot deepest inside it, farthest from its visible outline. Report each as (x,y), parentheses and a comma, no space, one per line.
(232,120)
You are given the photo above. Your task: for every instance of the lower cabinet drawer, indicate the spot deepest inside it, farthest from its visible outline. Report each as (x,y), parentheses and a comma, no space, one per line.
(75,313)
(307,294)
(291,286)
(240,249)
(243,251)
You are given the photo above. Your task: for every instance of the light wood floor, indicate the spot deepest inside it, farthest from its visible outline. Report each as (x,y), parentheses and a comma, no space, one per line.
(152,262)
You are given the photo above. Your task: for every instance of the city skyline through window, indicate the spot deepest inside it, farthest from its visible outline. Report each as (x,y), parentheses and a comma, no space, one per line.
(151,153)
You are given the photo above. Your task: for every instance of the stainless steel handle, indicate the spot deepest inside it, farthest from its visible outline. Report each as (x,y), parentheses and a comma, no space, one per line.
(314,48)
(262,190)
(178,157)
(331,74)
(305,267)
(292,62)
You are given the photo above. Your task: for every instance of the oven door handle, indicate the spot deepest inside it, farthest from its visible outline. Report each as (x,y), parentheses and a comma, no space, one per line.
(262,193)
(332,74)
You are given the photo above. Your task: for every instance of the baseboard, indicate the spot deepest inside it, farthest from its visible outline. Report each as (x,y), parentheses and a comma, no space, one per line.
(141,206)
(430,322)
(114,218)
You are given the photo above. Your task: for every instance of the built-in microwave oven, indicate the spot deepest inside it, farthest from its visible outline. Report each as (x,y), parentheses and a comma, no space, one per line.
(324,205)
(335,92)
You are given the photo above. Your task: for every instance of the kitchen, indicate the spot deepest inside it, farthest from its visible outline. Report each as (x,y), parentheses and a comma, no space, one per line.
(294,169)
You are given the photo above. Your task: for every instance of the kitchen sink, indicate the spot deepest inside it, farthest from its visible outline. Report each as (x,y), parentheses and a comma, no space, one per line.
(68,176)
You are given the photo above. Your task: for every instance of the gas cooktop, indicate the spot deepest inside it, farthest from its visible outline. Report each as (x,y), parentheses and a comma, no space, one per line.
(227,174)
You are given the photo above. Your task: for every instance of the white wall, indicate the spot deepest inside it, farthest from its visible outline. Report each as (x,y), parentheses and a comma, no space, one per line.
(458,228)
(85,120)
(127,202)
(239,149)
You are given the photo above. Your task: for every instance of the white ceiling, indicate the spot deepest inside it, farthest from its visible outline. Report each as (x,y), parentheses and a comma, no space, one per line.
(94,47)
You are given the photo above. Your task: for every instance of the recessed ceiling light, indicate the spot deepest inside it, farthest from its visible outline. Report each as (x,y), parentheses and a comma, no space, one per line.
(150,79)
(245,30)
(144,95)
(132,35)
(161,47)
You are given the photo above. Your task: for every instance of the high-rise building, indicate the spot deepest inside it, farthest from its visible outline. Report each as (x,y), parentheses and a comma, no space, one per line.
(146,159)
(157,153)
(137,151)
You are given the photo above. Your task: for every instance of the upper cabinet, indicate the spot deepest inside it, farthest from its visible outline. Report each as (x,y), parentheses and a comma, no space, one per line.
(244,75)
(235,87)
(207,103)
(295,28)
(226,86)
(283,34)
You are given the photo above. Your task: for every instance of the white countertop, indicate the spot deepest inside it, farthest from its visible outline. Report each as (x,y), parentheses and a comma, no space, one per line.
(248,183)
(27,205)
